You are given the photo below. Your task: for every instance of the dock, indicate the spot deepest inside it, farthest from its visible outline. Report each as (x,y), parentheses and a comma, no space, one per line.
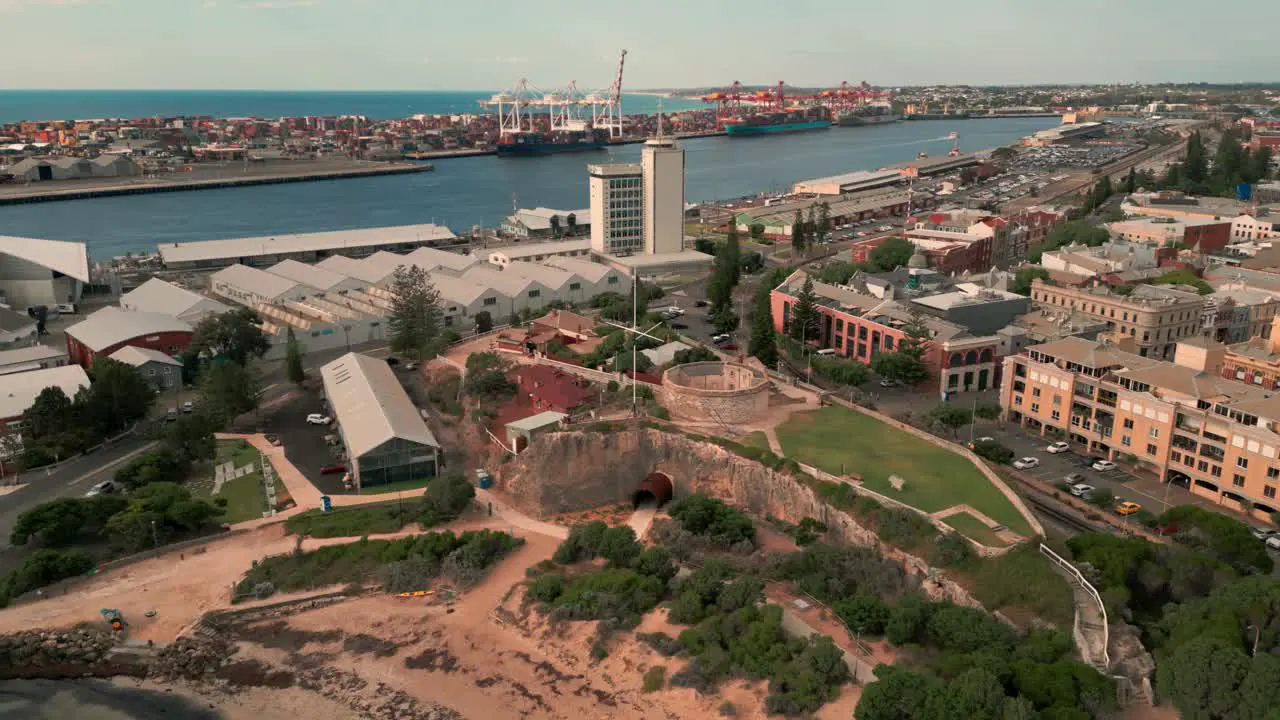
(224,176)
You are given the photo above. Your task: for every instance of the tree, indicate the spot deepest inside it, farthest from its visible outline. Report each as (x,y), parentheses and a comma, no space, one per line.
(1023,278)
(987,410)
(191,438)
(1002,154)
(555,226)
(823,225)
(799,241)
(756,230)
(118,396)
(1195,167)
(572,222)
(1131,181)
(234,335)
(763,344)
(731,256)
(803,324)
(445,499)
(414,321)
(695,354)
(293,359)
(1203,678)
(907,364)
(484,321)
(227,391)
(50,414)
(893,253)
(949,417)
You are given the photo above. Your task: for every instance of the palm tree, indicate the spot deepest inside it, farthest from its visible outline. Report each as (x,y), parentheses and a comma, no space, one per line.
(555,226)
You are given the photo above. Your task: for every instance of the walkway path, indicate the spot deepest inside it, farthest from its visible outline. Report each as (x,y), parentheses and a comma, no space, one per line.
(519,519)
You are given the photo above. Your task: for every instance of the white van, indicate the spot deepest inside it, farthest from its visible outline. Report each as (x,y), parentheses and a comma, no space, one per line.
(827,352)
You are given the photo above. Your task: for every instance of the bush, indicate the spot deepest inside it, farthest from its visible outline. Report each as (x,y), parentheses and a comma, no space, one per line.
(446,497)
(993,451)
(864,613)
(546,588)
(348,522)
(831,573)
(702,515)
(654,679)
(950,549)
(662,643)
(41,568)
(596,539)
(611,594)
(901,527)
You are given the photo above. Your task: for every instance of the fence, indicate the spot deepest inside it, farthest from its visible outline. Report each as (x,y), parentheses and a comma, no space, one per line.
(1088,587)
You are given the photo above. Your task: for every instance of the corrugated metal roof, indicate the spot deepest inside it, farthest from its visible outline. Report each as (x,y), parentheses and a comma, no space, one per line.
(360,269)
(259,282)
(536,422)
(309,275)
(370,405)
(19,390)
(68,258)
(111,325)
(588,270)
(137,356)
(281,244)
(156,295)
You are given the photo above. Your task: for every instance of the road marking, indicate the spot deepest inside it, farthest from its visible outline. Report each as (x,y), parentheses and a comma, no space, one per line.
(113,463)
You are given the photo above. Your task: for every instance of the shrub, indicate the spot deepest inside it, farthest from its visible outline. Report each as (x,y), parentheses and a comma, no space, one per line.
(347,522)
(901,527)
(993,451)
(547,588)
(44,567)
(446,497)
(596,539)
(864,613)
(702,515)
(949,549)
(662,643)
(618,594)
(654,679)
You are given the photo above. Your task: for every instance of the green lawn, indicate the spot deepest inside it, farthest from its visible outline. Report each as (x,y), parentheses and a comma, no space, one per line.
(835,439)
(757,439)
(973,528)
(245,496)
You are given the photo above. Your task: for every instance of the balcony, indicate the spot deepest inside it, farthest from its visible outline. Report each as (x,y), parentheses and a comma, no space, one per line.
(1182,442)
(1213,453)
(1213,437)
(1106,397)
(1190,425)
(1083,391)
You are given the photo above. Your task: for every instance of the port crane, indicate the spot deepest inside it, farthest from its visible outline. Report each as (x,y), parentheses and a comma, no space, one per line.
(519,108)
(730,101)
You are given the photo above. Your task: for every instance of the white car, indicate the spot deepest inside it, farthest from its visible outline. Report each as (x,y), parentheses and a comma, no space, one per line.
(318,419)
(1103,465)
(1082,490)
(1273,542)
(1058,447)
(674,310)
(1026,463)
(106,487)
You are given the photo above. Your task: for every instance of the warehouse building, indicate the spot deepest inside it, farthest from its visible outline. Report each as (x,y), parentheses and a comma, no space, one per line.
(538,252)
(36,357)
(538,222)
(314,276)
(310,247)
(522,292)
(359,269)
(849,182)
(461,300)
(41,272)
(156,295)
(252,287)
(19,390)
(385,437)
(597,278)
(111,328)
(17,330)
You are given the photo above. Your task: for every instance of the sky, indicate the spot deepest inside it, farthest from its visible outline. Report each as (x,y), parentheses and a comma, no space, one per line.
(489,45)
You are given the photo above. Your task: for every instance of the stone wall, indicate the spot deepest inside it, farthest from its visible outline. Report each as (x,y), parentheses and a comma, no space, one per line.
(71,653)
(727,392)
(574,471)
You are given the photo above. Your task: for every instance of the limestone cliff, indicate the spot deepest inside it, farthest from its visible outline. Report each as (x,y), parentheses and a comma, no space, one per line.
(574,471)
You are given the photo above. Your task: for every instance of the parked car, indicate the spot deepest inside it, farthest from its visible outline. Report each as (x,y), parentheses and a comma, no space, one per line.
(729,346)
(1263,533)
(1127,507)
(410,366)
(1058,447)
(1074,478)
(393,361)
(678,326)
(1082,490)
(106,487)
(188,407)
(1103,466)
(332,469)
(889,383)
(1089,461)
(720,339)
(983,439)
(674,310)
(170,415)
(1273,542)
(1026,463)
(318,419)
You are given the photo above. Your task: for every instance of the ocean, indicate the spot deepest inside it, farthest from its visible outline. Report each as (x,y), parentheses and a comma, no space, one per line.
(18,105)
(461,192)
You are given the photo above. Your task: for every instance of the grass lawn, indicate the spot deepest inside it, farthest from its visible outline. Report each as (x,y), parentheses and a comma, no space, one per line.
(756,439)
(833,437)
(245,496)
(402,486)
(972,527)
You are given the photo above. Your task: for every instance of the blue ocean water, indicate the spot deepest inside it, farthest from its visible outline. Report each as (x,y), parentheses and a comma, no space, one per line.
(463,192)
(85,104)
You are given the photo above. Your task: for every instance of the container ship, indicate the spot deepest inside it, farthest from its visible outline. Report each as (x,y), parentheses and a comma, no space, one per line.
(528,144)
(795,120)
(867,115)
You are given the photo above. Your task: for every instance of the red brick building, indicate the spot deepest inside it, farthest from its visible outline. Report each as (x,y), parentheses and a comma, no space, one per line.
(111,328)
(546,388)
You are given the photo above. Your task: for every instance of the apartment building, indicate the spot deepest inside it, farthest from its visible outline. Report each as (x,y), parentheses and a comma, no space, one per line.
(1255,361)
(1204,234)
(1217,437)
(1235,313)
(1154,317)
(617,208)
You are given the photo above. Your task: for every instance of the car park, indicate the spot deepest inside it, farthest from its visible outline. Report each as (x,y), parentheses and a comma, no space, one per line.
(318,419)
(1082,490)
(1058,447)
(1026,463)
(1089,461)
(1103,466)
(1127,507)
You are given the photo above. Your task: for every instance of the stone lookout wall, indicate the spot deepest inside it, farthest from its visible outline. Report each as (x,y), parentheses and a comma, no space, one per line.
(723,391)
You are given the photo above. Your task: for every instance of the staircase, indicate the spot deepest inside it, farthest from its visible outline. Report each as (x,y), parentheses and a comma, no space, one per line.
(1090,632)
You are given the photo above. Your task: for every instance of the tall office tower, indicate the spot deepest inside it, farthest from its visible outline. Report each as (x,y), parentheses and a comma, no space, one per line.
(662,163)
(617,212)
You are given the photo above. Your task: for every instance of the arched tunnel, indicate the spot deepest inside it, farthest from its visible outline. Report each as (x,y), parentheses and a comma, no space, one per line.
(655,486)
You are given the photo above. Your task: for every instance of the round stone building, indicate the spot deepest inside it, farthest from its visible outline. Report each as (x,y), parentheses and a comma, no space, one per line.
(725,392)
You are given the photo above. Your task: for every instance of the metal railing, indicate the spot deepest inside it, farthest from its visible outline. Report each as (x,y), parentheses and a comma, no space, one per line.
(1075,573)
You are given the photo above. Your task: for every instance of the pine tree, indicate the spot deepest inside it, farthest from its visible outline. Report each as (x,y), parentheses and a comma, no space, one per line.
(731,255)
(293,359)
(824,220)
(414,321)
(804,314)
(763,344)
(1131,182)
(798,234)
(1195,167)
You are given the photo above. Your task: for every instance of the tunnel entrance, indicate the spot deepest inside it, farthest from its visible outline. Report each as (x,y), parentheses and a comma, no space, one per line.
(656,486)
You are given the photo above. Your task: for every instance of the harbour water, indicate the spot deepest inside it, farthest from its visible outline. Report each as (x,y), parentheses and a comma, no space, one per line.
(18,105)
(463,192)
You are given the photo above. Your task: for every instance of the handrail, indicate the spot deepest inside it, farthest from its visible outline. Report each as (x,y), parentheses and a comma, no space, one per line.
(1093,592)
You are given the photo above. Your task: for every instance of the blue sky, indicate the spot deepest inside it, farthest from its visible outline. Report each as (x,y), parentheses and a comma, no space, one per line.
(455,44)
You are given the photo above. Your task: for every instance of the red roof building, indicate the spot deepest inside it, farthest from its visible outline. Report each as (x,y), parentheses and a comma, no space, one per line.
(547,388)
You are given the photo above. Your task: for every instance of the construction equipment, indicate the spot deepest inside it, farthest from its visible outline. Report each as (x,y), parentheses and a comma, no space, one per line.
(114,619)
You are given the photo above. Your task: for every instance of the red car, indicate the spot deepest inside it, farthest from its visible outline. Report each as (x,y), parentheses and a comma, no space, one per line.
(331,469)
(729,346)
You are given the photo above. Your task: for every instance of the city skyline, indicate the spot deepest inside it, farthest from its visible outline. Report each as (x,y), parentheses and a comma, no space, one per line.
(402,45)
